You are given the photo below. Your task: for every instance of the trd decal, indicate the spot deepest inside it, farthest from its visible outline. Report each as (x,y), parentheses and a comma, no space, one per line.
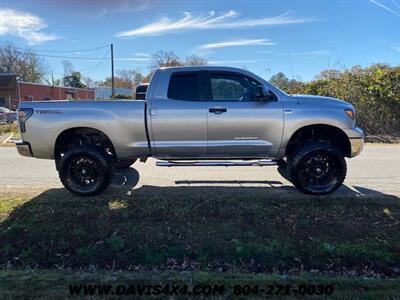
(48,111)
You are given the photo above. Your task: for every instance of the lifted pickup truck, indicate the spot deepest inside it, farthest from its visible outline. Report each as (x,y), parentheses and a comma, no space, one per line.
(197,116)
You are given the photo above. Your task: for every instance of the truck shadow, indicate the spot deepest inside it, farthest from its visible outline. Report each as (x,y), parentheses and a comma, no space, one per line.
(127,180)
(149,224)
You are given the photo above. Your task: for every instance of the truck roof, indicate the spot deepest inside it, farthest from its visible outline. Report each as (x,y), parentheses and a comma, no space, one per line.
(203,68)
(216,68)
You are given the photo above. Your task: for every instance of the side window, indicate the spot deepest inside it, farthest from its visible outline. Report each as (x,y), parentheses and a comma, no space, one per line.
(184,86)
(232,87)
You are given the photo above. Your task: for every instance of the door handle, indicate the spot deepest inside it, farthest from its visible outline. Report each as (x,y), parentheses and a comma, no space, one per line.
(217,110)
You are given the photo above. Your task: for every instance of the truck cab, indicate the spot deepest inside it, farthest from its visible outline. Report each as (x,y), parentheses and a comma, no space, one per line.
(211,112)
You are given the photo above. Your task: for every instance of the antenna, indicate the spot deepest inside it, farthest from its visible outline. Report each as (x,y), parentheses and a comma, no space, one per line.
(292,70)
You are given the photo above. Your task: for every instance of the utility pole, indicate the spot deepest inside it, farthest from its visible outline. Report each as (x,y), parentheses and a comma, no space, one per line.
(112,70)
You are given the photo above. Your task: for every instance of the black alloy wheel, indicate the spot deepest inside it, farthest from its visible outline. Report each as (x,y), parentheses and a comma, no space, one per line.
(318,168)
(86,170)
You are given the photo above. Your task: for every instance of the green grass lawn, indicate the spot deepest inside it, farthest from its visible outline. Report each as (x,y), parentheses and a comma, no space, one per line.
(206,231)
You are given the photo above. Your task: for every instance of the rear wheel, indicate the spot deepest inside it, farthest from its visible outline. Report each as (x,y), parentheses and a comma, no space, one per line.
(86,170)
(317,168)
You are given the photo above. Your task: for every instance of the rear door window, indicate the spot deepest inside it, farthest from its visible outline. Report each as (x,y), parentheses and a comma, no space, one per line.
(184,86)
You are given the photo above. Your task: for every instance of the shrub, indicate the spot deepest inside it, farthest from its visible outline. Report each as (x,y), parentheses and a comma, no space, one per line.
(374,91)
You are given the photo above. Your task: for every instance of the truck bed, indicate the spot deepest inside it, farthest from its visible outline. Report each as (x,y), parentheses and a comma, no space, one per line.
(122,121)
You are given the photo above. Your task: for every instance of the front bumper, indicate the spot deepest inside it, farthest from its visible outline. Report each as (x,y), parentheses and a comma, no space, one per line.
(357,146)
(356,138)
(24,148)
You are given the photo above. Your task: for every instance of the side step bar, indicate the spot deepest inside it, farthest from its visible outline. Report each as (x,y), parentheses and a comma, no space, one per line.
(214,163)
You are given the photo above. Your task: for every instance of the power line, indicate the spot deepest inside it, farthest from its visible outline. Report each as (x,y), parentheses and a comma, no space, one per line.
(64,51)
(97,64)
(79,50)
(70,57)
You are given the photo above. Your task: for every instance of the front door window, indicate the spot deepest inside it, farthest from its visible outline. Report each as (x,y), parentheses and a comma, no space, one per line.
(232,87)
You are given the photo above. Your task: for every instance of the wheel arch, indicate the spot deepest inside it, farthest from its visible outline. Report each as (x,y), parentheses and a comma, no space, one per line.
(90,135)
(324,132)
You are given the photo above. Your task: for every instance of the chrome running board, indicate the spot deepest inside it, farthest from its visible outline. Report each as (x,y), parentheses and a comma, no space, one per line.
(215,163)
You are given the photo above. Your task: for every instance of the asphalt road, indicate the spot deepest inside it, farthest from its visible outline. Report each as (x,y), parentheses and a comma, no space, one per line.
(375,171)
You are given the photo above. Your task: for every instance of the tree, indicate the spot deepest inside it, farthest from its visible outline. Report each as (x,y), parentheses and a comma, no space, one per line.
(328,74)
(133,77)
(71,77)
(68,68)
(138,78)
(73,80)
(162,59)
(280,80)
(170,59)
(195,60)
(126,79)
(88,82)
(374,91)
(24,63)
(118,83)
(292,86)
(165,59)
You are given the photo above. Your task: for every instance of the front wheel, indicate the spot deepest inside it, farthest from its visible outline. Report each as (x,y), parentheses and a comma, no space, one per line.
(317,168)
(86,171)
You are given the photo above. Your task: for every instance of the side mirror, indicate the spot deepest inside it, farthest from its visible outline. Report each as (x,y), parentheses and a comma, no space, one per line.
(264,94)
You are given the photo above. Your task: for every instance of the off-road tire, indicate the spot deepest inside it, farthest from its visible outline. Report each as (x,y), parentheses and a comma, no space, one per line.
(99,163)
(307,161)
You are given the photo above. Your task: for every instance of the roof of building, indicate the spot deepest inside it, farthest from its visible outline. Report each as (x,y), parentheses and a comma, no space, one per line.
(57,86)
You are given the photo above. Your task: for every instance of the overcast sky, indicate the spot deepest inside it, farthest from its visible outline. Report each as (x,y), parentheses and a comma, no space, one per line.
(299,38)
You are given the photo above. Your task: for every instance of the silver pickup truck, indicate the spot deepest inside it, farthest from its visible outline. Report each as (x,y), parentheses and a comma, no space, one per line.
(195,116)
